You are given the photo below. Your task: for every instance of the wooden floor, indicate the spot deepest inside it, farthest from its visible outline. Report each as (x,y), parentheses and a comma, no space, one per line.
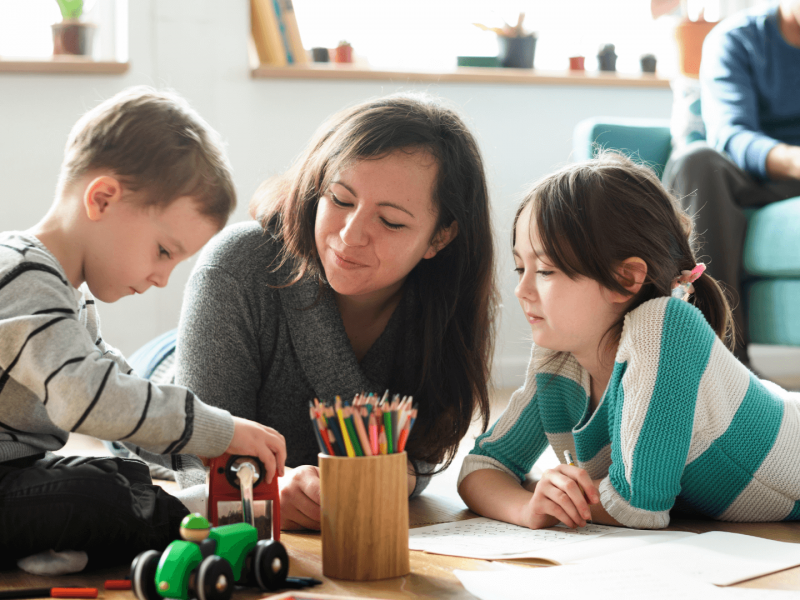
(431,575)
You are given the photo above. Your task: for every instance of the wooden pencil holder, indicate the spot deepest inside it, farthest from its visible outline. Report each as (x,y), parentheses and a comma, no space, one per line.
(364,516)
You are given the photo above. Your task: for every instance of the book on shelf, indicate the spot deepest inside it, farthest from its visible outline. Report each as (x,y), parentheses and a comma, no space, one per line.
(294,42)
(266,33)
(275,33)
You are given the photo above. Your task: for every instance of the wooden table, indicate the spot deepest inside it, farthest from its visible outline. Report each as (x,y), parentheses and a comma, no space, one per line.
(431,575)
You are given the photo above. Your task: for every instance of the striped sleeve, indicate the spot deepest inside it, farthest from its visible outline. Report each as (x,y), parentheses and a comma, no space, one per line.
(666,344)
(55,378)
(516,440)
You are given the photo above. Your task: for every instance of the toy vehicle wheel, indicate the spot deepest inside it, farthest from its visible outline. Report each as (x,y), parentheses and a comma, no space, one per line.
(214,579)
(270,564)
(143,575)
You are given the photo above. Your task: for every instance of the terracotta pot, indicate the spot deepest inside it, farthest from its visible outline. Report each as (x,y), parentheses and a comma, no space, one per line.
(690,36)
(343,54)
(73,37)
(576,63)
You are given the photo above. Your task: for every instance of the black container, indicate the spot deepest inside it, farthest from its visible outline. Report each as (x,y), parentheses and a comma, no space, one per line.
(648,62)
(320,55)
(607,58)
(517,52)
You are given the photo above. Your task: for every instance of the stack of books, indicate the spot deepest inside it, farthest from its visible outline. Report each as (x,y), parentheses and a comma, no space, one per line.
(276,36)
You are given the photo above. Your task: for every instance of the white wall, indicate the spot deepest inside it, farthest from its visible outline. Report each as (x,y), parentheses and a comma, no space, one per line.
(199,50)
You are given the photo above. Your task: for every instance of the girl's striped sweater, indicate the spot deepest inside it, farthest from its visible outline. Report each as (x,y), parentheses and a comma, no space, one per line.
(681,420)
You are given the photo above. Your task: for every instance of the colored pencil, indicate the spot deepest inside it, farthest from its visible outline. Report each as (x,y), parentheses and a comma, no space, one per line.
(351,432)
(373,434)
(382,442)
(387,426)
(362,434)
(347,444)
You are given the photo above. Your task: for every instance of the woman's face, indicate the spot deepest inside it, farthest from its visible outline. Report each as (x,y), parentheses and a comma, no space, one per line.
(376,222)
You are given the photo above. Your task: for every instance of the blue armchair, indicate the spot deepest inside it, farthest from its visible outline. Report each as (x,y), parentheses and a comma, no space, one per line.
(772,244)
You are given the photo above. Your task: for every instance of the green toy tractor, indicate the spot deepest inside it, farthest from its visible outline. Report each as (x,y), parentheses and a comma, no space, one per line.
(208,562)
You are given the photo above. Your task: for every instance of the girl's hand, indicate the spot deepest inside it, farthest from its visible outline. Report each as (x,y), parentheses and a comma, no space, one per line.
(558,494)
(300,498)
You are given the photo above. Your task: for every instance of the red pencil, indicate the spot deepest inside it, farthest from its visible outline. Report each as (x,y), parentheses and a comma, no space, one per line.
(401,443)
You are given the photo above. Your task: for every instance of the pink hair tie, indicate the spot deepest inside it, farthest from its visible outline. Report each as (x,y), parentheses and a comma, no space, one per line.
(682,285)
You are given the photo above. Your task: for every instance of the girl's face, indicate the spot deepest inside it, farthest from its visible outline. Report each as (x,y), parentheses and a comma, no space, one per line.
(569,315)
(376,222)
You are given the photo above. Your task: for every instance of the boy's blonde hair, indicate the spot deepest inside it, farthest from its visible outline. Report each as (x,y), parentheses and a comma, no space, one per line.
(156,143)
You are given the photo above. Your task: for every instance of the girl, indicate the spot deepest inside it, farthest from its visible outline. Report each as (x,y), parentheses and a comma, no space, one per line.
(370,266)
(629,372)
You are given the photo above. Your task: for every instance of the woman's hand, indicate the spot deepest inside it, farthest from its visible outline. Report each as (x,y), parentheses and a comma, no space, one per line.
(562,493)
(300,498)
(254,439)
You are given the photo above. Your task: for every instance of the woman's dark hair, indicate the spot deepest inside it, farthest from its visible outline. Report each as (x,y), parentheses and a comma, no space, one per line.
(591,216)
(456,289)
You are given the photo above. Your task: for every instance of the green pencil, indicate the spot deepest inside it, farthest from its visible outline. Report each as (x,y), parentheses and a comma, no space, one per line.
(387,424)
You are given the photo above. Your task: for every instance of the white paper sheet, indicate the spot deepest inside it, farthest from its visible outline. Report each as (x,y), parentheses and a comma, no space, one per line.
(579,582)
(487,538)
(715,557)
(759,594)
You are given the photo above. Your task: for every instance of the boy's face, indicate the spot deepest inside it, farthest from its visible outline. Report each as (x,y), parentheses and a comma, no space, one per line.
(133,248)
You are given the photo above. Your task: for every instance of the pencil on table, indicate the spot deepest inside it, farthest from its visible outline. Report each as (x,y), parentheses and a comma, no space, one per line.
(50,592)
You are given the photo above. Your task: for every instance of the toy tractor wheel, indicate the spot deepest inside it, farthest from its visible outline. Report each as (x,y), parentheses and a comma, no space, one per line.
(270,564)
(143,575)
(214,579)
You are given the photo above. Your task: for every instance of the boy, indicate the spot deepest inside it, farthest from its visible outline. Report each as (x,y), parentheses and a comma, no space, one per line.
(144,184)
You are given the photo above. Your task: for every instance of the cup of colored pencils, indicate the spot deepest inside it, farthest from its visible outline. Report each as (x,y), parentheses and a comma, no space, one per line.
(368,426)
(364,486)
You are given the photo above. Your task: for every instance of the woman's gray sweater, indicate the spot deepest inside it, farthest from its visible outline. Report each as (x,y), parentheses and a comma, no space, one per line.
(263,352)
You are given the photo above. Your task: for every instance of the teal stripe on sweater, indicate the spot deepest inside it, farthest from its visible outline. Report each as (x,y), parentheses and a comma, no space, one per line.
(595,436)
(663,444)
(795,514)
(562,402)
(521,445)
(615,400)
(731,459)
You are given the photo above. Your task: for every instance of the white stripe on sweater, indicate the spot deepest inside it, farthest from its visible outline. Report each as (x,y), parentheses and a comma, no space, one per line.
(641,346)
(726,380)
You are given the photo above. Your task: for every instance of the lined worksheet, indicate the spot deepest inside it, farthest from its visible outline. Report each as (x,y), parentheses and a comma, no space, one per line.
(487,538)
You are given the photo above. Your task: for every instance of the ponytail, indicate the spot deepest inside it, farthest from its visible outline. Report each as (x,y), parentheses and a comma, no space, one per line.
(710,298)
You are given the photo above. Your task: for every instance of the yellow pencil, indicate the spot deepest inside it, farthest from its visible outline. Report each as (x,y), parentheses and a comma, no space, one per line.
(347,443)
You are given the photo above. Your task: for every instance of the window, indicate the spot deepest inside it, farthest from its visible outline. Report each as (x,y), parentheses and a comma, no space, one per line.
(25,29)
(427,35)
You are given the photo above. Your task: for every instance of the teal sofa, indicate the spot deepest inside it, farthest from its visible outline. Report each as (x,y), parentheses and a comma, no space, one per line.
(772,244)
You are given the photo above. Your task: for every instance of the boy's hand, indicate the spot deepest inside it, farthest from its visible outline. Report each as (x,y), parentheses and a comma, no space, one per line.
(562,493)
(254,439)
(300,499)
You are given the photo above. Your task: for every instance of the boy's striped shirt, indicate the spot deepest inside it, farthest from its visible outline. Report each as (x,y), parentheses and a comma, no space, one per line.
(681,420)
(57,374)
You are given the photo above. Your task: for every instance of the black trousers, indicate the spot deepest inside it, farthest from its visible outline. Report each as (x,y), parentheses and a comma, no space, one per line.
(714,190)
(105,506)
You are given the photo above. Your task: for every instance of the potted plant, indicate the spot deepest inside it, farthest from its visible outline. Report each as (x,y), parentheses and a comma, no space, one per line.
(72,36)
(689,34)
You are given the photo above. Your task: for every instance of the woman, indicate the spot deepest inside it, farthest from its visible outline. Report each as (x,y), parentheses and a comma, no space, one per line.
(370,267)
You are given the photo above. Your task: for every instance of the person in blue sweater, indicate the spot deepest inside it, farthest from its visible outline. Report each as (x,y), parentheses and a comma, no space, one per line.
(629,372)
(750,84)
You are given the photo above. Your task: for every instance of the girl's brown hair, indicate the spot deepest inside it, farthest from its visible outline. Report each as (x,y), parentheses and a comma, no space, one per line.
(456,289)
(592,216)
